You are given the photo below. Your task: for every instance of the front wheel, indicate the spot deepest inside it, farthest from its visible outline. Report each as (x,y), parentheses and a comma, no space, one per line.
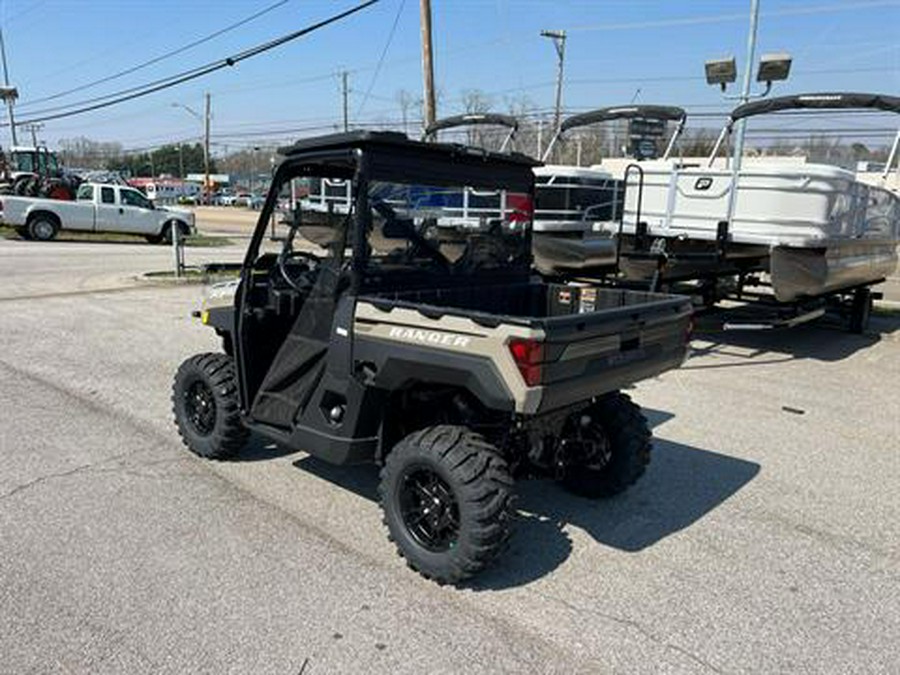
(610,447)
(166,233)
(446,495)
(206,407)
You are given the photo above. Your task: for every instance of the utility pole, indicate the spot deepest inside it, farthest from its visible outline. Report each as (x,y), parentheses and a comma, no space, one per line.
(540,137)
(345,94)
(206,149)
(34,127)
(181,160)
(9,94)
(427,63)
(745,90)
(559,41)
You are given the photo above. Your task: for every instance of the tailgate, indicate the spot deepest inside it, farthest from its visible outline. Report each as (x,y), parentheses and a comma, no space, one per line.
(599,340)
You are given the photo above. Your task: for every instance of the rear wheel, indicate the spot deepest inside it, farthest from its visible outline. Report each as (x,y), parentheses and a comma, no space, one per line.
(42,228)
(609,447)
(206,407)
(446,496)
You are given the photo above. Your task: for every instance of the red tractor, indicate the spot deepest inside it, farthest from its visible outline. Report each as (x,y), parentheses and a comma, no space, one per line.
(35,172)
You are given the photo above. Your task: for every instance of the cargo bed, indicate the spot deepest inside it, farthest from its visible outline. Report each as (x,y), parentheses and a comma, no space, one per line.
(592,340)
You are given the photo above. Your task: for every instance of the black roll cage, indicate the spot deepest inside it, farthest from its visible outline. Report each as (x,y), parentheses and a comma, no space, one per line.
(362,156)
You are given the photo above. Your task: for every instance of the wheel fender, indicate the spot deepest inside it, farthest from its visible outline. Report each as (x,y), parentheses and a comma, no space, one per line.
(32,215)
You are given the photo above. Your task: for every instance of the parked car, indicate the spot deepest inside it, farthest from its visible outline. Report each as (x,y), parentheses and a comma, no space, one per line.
(98,208)
(223,198)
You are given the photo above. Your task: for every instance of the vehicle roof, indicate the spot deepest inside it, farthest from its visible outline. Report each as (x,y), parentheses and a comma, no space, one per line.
(391,156)
(392,140)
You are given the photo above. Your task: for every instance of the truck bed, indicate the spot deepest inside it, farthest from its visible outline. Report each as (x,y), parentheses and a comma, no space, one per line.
(593,340)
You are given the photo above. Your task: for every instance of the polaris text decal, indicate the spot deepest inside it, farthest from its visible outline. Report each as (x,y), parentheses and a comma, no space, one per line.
(429,337)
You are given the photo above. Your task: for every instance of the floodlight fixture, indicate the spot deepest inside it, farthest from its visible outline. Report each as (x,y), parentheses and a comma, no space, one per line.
(721,71)
(9,93)
(774,67)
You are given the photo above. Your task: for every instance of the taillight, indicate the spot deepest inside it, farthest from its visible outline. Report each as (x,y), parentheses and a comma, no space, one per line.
(528,355)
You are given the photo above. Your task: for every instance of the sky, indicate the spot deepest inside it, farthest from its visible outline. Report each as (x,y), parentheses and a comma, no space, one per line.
(650,51)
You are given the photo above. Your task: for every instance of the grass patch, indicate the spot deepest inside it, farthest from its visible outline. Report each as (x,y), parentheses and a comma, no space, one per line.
(886,310)
(192,275)
(196,241)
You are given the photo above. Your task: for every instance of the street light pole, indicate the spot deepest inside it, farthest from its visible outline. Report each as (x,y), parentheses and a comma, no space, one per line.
(559,41)
(745,88)
(205,120)
(206,149)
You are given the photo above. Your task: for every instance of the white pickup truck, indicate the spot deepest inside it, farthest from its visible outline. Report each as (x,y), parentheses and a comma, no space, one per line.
(97,208)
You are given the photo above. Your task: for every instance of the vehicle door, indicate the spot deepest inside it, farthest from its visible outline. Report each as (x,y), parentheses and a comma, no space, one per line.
(137,214)
(106,207)
(282,349)
(78,215)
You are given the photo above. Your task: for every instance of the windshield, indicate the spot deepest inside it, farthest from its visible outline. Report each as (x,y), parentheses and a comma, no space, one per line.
(446,228)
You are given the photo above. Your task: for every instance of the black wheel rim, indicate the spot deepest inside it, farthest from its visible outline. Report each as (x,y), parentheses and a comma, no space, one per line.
(429,509)
(200,407)
(595,451)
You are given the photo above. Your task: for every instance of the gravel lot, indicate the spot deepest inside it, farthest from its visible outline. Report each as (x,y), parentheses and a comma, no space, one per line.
(764,538)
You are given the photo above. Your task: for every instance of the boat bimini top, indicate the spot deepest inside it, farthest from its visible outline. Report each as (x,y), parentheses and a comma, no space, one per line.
(819,101)
(630,112)
(470,119)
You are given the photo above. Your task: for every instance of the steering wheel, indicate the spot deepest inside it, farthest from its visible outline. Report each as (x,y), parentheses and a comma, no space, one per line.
(302,282)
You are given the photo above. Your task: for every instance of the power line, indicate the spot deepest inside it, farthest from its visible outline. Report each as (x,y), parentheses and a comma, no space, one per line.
(200,71)
(724,18)
(384,52)
(157,59)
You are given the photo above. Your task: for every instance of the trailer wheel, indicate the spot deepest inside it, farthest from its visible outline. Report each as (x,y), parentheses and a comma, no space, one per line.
(446,495)
(610,444)
(860,310)
(206,407)
(42,227)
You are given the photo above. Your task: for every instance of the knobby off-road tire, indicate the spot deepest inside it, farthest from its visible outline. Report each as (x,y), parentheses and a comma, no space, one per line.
(627,437)
(206,407)
(446,495)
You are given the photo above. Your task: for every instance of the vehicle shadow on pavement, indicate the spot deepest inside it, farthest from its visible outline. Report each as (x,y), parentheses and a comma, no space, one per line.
(681,486)
(361,479)
(826,340)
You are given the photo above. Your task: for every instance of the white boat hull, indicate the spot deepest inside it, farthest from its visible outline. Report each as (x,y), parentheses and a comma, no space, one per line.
(824,229)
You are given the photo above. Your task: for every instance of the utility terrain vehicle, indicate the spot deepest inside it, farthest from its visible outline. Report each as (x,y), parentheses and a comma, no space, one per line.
(369,338)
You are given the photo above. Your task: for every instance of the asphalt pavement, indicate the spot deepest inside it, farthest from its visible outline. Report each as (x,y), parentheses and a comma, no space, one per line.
(764,538)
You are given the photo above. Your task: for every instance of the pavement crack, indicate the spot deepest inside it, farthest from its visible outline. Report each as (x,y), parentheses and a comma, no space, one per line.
(635,625)
(63,474)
